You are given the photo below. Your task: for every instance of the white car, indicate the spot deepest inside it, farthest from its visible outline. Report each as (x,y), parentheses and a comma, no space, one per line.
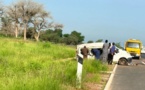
(121,57)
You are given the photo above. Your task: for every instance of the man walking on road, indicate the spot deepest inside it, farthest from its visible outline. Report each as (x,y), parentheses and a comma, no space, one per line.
(106,46)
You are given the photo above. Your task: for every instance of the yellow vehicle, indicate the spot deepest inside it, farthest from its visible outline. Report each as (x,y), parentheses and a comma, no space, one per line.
(134,47)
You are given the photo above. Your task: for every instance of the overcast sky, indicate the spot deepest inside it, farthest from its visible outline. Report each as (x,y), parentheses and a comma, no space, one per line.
(115,20)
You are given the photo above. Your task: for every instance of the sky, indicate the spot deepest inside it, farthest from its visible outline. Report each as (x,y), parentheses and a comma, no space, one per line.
(114,20)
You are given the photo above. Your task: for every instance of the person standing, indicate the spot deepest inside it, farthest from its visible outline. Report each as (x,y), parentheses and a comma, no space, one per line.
(84,52)
(106,46)
(111,54)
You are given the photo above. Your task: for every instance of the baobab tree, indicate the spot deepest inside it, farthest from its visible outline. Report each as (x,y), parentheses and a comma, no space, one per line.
(1,9)
(28,9)
(6,28)
(14,15)
(40,23)
(27,12)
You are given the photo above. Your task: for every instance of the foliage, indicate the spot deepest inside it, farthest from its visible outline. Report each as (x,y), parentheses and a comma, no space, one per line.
(56,36)
(25,64)
(28,65)
(119,45)
(78,35)
(94,66)
(70,40)
(6,26)
(31,19)
(30,33)
(92,69)
(99,40)
(51,35)
(90,41)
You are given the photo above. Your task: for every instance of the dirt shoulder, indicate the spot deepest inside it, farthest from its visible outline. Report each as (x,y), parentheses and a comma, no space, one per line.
(104,79)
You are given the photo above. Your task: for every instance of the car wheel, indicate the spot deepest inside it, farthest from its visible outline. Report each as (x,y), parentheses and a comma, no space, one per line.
(122,61)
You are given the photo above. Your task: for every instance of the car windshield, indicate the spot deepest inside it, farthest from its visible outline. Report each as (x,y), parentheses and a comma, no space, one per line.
(133,45)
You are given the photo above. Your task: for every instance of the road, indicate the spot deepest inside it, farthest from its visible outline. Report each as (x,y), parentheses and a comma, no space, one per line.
(130,77)
(143,56)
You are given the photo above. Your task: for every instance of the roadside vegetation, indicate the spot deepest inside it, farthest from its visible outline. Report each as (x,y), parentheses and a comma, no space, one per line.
(41,60)
(29,65)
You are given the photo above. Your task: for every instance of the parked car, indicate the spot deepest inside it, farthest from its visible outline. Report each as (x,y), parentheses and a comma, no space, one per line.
(121,57)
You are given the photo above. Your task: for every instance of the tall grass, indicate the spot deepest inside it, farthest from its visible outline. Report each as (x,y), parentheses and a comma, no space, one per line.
(28,65)
(92,69)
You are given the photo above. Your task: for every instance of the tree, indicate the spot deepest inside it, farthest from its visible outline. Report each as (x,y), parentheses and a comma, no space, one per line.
(99,40)
(70,40)
(56,27)
(52,35)
(73,39)
(44,35)
(30,33)
(77,35)
(1,9)
(6,26)
(1,14)
(118,45)
(27,9)
(65,35)
(90,41)
(14,15)
(39,22)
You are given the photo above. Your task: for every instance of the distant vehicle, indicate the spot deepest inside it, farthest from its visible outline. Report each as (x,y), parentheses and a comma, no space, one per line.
(134,47)
(121,56)
(143,50)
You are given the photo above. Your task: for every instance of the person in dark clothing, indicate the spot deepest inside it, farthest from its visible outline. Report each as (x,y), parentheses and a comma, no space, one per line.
(96,53)
(84,52)
(111,54)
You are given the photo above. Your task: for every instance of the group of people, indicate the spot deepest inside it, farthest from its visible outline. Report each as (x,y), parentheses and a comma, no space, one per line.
(108,52)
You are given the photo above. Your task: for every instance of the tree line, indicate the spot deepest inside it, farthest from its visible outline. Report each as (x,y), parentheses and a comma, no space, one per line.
(29,19)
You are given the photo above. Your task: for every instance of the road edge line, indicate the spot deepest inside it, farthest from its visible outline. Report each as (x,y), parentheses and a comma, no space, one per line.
(107,86)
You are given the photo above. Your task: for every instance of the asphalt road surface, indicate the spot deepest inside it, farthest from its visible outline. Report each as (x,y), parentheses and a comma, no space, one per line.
(143,56)
(130,77)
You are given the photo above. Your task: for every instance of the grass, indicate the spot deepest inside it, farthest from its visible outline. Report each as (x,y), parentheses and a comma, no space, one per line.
(92,69)
(29,65)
